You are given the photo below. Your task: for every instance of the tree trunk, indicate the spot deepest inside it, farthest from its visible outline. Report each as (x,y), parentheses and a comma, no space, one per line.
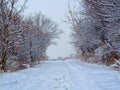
(3,61)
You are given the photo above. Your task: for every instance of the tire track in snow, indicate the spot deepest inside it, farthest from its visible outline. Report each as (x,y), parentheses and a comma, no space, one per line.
(78,79)
(95,77)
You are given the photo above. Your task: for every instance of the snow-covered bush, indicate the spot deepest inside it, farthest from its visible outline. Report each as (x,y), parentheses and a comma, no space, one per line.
(12,64)
(116,65)
(106,54)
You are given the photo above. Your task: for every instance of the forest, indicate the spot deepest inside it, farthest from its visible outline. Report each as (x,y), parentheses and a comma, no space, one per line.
(23,40)
(96,30)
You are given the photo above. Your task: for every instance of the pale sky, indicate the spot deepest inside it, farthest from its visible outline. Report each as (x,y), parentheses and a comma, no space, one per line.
(56,10)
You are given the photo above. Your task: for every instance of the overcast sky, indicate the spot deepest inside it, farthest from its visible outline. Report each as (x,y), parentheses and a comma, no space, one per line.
(56,10)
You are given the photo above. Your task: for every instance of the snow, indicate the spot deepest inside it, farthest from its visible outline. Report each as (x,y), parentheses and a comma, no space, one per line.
(62,75)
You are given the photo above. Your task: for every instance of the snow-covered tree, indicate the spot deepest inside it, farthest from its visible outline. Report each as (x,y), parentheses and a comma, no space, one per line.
(39,32)
(107,13)
(23,39)
(96,26)
(85,35)
(45,31)
(9,28)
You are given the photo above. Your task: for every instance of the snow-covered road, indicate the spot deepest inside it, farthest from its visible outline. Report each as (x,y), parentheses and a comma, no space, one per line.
(62,75)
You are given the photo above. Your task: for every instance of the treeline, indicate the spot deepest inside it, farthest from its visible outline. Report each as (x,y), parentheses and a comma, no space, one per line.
(23,40)
(96,30)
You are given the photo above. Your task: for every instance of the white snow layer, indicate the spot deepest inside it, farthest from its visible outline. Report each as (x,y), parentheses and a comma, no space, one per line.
(62,75)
